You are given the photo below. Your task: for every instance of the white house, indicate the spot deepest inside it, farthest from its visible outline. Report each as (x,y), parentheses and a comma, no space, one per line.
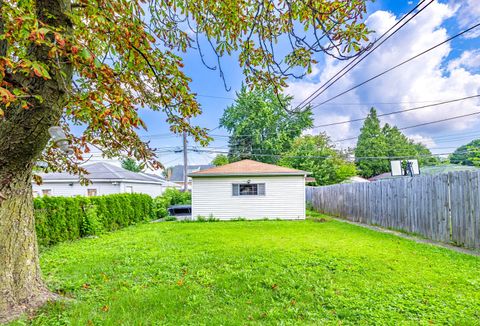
(249,189)
(105,179)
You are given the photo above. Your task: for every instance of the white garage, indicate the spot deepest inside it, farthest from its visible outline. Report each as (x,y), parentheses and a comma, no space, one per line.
(249,189)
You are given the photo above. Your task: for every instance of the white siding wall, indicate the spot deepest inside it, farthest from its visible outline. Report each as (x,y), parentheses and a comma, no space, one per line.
(153,190)
(284,198)
(64,188)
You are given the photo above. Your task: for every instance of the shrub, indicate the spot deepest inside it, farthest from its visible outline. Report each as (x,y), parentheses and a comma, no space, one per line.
(170,218)
(211,218)
(170,197)
(60,219)
(91,224)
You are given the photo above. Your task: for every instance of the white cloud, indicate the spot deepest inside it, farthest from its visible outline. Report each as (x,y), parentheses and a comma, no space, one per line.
(427,141)
(468,60)
(468,12)
(427,79)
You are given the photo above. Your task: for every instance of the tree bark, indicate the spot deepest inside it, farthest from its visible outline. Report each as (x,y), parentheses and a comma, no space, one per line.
(21,286)
(23,137)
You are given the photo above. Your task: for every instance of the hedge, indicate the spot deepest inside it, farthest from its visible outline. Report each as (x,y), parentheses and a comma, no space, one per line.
(60,219)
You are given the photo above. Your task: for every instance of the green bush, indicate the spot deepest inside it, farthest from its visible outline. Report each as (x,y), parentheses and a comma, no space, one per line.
(170,197)
(60,219)
(91,224)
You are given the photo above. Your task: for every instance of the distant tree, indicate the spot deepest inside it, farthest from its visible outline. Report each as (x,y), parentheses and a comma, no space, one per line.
(400,145)
(371,143)
(316,154)
(260,127)
(131,165)
(467,154)
(376,142)
(220,160)
(474,152)
(397,144)
(425,157)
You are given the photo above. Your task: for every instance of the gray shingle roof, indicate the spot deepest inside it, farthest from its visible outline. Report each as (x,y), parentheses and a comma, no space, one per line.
(104,171)
(177,171)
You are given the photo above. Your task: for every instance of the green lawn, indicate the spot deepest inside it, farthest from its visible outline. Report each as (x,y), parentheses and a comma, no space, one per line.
(265,272)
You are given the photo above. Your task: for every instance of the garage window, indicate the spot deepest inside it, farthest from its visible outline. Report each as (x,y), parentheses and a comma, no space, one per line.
(248,189)
(91,192)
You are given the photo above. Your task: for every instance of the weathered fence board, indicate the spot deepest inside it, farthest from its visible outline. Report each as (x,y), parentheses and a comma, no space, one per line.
(444,207)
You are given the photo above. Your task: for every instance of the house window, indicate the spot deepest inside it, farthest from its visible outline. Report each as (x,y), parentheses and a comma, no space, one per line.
(129,189)
(91,192)
(46,192)
(248,189)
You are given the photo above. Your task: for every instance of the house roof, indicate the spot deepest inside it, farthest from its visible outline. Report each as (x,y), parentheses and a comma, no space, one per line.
(177,171)
(247,167)
(103,171)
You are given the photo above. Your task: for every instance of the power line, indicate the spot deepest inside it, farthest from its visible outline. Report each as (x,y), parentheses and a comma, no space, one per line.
(398,112)
(359,59)
(398,65)
(420,124)
(329,156)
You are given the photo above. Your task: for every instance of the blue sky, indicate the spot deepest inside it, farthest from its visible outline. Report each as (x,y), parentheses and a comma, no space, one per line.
(452,71)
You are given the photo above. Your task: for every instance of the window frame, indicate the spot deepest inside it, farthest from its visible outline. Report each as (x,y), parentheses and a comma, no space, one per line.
(260,189)
(92,190)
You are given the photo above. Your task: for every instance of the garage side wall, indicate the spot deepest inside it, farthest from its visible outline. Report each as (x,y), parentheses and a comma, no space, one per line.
(284,198)
(69,189)
(153,190)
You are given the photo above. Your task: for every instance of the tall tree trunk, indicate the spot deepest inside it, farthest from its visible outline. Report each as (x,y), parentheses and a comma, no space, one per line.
(21,286)
(23,136)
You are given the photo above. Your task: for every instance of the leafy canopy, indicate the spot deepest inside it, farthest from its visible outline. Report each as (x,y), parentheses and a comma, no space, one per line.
(377,146)
(260,127)
(317,155)
(127,55)
(467,154)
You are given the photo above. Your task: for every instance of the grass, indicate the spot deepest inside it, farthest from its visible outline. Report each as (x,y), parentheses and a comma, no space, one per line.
(318,271)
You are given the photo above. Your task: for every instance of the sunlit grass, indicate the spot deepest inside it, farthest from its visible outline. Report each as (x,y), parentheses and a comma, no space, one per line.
(318,271)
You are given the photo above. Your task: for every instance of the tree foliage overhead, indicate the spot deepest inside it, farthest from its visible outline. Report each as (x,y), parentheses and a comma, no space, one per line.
(124,55)
(467,154)
(260,127)
(377,146)
(317,155)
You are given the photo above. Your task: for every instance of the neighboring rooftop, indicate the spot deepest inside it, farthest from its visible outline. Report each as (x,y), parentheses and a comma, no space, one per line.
(247,167)
(103,171)
(176,174)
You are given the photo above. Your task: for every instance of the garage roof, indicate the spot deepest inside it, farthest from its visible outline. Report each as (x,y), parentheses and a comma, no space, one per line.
(103,171)
(247,167)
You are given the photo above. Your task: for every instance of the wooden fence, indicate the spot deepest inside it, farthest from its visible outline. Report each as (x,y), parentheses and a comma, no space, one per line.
(444,207)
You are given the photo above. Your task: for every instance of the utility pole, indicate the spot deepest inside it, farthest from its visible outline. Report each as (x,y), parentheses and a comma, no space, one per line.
(185,162)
